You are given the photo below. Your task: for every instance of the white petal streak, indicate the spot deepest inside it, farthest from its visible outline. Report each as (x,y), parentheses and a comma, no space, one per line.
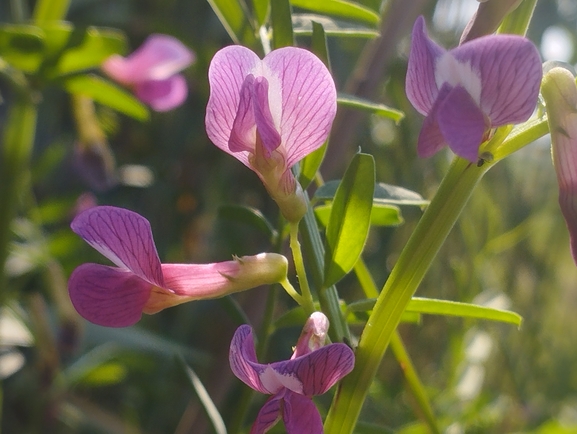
(450,70)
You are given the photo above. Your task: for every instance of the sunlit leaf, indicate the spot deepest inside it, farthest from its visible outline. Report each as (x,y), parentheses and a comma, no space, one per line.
(371,107)
(349,222)
(282,29)
(106,93)
(384,194)
(340,8)
(235,19)
(302,25)
(381,215)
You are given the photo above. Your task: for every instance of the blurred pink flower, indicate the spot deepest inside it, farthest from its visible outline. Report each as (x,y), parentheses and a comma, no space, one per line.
(152,71)
(117,296)
(464,92)
(560,95)
(270,113)
(312,370)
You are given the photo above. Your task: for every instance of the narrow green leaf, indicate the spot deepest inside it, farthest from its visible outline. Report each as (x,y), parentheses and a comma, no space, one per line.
(349,222)
(249,216)
(448,308)
(104,92)
(466,310)
(282,29)
(384,194)
(371,107)
(22,46)
(303,25)
(340,8)
(235,19)
(311,163)
(204,397)
(381,215)
(260,8)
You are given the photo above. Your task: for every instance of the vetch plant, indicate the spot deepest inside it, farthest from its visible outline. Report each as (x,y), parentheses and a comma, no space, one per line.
(271,113)
(467,91)
(152,71)
(312,370)
(117,296)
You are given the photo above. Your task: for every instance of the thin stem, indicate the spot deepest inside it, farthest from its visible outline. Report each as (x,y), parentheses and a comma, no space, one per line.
(16,151)
(307,301)
(413,263)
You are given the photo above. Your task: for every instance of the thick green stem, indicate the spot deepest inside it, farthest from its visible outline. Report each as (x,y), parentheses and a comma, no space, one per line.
(50,10)
(18,139)
(406,276)
(517,22)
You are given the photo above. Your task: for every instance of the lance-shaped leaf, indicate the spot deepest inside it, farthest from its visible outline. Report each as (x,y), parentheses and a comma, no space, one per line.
(350,219)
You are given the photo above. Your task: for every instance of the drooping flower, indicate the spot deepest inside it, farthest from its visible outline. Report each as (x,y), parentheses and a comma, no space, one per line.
(312,370)
(560,94)
(152,71)
(117,296)
(465,92)
(270,113)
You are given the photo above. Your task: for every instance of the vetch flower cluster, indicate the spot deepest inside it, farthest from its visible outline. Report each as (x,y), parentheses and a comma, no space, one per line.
(271,113)
(312,370)
(465,92)
(117,296)
(152,71)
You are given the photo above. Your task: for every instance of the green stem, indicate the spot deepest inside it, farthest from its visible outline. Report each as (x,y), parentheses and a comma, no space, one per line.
(18,140)
(306,297)
(406,276)
(50,10)
(517,22)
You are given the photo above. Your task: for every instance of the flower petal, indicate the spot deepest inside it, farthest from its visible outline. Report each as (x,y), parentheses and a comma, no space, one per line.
(268,416)
(108,296)
(266,129)
(309,100)
(243,361)
(462,123)
(313,336)
(226,75)
(421,86)
(162,95)
(158,58)
(510,71)
(300,415)
(431,138)
(319,370)
(122,236)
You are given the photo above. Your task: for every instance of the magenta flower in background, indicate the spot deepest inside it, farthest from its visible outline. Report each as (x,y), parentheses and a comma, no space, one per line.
(464,92)
(312,370)
(560,95)
(117,296)
(270,113)
(152,71)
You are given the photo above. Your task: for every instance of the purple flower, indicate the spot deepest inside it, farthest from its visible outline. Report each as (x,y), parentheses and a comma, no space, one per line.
(117,296)
(312,370)
(270,113)
(152,71)
(560,95)
(465,92)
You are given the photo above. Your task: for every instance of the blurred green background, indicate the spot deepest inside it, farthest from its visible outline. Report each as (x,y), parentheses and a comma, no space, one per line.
(510,249)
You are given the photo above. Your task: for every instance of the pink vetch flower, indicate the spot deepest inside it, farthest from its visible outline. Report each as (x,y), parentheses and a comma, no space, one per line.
(560,94)
(465,92)
(152,71)
(271,113)
(117,296)
(312,370)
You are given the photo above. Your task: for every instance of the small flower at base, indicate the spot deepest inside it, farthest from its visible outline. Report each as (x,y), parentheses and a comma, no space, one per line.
(118,296)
